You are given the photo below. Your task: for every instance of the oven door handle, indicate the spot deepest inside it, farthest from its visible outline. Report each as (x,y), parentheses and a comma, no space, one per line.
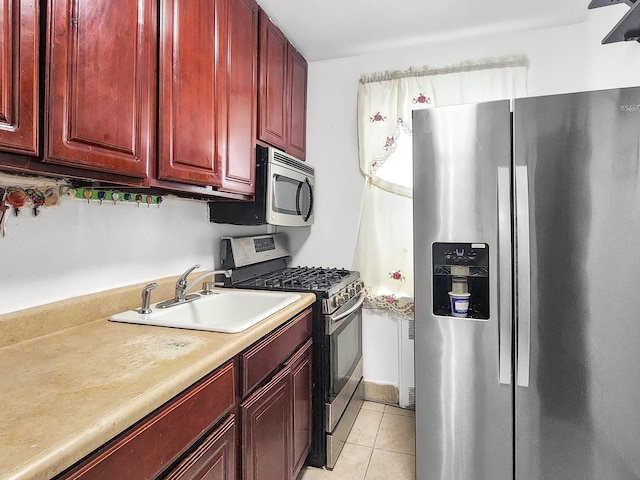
(351,310)
(331,325)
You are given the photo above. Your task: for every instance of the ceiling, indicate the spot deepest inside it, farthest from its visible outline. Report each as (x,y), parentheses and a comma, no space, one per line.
(325,29)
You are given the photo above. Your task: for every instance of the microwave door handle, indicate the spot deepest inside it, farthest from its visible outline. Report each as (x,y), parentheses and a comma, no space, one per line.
(310,211)
(299,194)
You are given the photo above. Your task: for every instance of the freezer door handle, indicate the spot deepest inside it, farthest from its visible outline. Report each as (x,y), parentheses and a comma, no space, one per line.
(504,275)
(523,276)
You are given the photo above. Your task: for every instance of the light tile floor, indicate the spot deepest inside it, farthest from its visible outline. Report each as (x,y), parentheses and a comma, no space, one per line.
(381,446)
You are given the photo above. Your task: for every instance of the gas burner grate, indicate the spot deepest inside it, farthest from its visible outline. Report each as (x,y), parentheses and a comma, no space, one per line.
(302,278)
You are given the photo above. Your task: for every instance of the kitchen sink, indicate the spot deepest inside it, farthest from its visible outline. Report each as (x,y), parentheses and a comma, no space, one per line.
(226,311)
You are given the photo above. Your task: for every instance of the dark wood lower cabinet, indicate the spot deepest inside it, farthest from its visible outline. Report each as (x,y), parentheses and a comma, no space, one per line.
(267,431)
(223,428)
(276,422)
(158,441)
(214,459)
(301,385)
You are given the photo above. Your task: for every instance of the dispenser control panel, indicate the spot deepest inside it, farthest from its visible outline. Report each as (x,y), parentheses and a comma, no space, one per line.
(461,280)
(473,254)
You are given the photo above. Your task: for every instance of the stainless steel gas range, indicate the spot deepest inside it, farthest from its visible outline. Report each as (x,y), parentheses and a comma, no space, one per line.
(260,262)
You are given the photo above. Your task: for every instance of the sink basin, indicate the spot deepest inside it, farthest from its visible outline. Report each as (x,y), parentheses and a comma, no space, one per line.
(226,311)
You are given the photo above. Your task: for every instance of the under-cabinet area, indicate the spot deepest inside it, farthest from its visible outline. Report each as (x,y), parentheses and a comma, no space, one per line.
(109,400)
(152,93)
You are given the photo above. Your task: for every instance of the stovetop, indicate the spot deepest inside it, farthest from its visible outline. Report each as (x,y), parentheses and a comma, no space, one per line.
(260,262)
(335,286)
(300,278)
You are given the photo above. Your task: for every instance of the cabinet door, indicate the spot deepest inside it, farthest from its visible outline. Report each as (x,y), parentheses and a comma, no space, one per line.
(190,90)
(266,431)
(19,76)
(214,459)
(298,106)
(273,105)
(101,85)
(241,98)
(301,383)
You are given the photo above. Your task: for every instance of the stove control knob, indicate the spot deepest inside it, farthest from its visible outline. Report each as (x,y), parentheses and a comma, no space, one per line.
(336,301)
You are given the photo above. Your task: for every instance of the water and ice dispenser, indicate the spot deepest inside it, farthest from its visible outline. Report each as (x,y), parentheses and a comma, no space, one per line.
(461,280)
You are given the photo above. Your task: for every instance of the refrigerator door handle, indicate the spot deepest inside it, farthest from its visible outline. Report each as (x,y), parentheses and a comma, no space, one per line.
(504,275)
(523,276)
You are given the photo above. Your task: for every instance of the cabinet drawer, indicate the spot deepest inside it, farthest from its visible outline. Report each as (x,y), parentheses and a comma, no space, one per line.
(150,446)
(259,361)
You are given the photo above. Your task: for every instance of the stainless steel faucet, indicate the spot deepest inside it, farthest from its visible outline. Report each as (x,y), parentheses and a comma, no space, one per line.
(182,287)
(181,291)
(181,284)
(207,286)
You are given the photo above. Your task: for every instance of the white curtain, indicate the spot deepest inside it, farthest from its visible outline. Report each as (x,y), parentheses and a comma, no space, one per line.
(384,251)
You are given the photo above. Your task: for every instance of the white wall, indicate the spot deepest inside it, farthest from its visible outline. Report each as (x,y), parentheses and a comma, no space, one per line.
(562,59)
(77,248)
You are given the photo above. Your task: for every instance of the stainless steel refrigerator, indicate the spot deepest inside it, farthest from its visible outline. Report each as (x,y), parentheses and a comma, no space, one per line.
(527,288)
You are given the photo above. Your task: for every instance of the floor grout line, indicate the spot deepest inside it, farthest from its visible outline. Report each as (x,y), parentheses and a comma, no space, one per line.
(367,461)
(373,448)
(366,470)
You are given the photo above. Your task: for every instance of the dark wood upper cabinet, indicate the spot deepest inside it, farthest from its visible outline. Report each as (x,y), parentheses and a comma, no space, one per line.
(101,85)
(190,105)
(19,67)
(297,81)
(208,74)
(241,97)
(273,84)
(160,93)
(282,91)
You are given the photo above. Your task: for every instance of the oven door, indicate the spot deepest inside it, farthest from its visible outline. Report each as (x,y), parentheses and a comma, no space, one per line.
(344,338)
(289,196)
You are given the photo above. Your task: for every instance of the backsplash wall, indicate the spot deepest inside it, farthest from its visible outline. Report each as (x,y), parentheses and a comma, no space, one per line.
(78,248)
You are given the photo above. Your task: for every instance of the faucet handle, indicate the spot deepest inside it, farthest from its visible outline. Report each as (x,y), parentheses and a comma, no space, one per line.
(183,278)
(207,288)
(146,298)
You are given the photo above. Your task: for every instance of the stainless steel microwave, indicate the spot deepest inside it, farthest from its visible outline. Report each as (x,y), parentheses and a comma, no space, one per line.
(284,194)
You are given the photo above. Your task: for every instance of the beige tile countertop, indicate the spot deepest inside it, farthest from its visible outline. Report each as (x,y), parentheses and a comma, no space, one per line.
(71,380)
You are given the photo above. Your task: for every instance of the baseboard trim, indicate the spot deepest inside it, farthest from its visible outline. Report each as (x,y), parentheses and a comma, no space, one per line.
(381,393)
